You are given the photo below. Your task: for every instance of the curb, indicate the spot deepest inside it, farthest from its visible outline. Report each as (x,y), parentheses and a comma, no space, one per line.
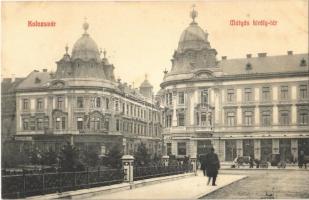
(92,192)
(219,188)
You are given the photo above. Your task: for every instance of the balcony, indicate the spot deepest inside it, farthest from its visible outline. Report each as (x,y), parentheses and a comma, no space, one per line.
(200,128)
(241,128)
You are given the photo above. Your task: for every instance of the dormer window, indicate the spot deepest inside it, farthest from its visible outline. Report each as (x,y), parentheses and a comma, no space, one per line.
(248,67)
(303,63)
(37,80)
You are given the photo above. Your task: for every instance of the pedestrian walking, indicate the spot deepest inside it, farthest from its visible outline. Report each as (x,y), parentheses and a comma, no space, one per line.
(212,165)
(203,164)
(250,162)
(301,159)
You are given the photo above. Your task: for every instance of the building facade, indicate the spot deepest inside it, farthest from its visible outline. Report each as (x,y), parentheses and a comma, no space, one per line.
(253,106)
(83,104)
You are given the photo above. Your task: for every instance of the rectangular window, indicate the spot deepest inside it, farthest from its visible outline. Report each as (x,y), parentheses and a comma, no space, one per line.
(203,119)
(284,92)
(181,98)
(117,124)
(231,119)
(25,104)
(168,121)
(181,147)
(128,109)
(80,102)
(284,118)
(204,96)
(248,94)
(106,124)
(107,104)
(39,124)
(58,121)
(303,117)
(80,123)
(266,118)
(59,102)
(181,119)
(169,148)
(63,123)
(248,118)
(170,98)
(265,93)
(230,95)
(116,105)
(39,104)
(25,124)
(303,92)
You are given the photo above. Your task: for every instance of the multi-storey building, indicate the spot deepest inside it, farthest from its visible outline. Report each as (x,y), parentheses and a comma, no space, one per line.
(83,104)
(253,106)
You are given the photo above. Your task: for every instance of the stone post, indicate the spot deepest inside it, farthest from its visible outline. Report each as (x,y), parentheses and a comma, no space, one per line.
(193,161)
(127,163)
(165,160)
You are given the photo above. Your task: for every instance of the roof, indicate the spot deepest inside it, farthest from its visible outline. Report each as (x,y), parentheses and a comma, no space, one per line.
(8,86)
(266,64)
(146,84)
(193,37)
(35,79)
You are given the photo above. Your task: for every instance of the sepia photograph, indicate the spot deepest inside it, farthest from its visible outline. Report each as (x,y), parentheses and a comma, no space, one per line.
(154,99)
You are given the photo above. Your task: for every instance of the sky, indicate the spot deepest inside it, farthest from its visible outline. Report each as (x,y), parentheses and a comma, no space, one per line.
(140,37)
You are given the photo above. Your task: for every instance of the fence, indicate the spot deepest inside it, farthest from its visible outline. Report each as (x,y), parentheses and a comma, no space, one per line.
(18,186)
(140,173)
(25,185)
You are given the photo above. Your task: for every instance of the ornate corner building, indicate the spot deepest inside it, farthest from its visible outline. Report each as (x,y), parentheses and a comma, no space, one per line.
(253,106)
(80,103)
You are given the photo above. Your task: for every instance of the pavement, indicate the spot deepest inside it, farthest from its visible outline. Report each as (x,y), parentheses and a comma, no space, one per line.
(265,184)
(191,187)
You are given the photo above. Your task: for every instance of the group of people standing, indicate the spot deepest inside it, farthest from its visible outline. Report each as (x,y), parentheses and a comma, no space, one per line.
(210,165)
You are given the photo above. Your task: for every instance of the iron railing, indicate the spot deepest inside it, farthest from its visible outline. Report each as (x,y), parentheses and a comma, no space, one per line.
(19,186)
(140,173)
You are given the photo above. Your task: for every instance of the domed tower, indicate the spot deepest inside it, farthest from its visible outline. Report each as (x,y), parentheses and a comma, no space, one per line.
(194,50)
(85,60)
(146,88)
(108,68)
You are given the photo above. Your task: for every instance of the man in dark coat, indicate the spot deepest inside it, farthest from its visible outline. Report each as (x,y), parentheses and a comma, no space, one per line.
(203,164)
(212,165)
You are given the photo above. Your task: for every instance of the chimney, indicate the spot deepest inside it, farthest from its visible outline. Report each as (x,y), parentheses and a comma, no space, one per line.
(260,55)
(290,52)
(36,70)
(44,70)
(249,55)
(224,57)
(13,77)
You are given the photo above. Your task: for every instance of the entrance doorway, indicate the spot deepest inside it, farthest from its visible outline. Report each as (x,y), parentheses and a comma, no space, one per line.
(248,147)
(266,150)
(285,150)
(230,150)
(303,144)
(203,147)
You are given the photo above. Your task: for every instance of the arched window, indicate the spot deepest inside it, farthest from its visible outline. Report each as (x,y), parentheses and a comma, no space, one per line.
(98,102)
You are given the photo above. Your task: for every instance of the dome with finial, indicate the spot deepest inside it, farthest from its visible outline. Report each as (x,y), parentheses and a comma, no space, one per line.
(146,83)
(85,48)
(193,37)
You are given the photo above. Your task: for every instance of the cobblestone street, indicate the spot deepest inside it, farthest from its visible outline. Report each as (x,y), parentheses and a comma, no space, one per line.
(281,183)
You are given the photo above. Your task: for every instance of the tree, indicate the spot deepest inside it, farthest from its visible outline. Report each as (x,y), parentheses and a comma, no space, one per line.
(141,155)
(49,157)
(69,159)
(113,158)
(35,157)
(90,157)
